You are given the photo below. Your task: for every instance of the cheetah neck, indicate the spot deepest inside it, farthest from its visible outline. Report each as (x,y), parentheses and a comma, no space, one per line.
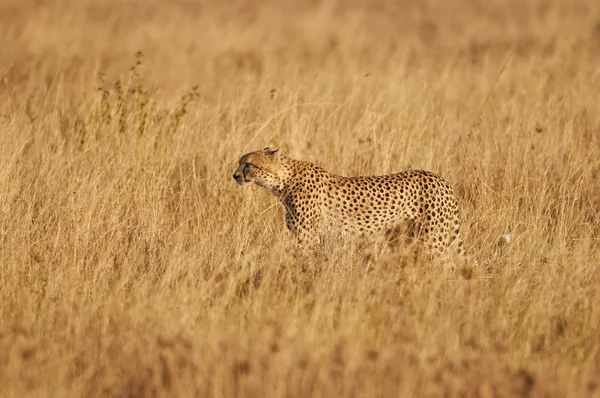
(285,172)
(288,175)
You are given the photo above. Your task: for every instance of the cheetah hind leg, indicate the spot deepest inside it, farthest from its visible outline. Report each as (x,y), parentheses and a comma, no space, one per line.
(420,237)
(403,238)
(467,264)
(401,234)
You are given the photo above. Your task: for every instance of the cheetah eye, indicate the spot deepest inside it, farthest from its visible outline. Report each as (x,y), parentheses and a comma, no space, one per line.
(247,167)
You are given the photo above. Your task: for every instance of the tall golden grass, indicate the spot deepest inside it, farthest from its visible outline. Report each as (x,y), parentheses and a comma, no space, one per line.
(131,264)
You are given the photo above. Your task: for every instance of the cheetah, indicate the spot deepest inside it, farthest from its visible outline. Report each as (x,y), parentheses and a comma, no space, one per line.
(316,200)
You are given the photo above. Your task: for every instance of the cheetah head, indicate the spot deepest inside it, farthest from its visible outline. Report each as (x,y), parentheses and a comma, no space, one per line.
(261,167)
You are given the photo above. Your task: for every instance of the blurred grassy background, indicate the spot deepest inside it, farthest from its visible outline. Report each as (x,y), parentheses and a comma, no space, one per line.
(131,264)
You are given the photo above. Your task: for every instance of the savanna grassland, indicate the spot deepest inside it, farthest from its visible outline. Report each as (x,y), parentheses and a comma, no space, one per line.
(131,264)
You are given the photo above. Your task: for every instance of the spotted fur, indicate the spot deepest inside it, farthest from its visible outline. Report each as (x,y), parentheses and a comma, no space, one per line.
(317,201)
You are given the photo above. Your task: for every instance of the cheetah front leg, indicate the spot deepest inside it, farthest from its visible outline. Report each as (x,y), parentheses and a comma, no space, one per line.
(303,226)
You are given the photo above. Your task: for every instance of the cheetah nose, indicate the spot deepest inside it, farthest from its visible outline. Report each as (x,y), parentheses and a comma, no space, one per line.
(236,176)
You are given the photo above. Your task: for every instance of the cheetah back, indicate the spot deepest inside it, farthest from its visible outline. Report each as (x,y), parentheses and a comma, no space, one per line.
(368,204)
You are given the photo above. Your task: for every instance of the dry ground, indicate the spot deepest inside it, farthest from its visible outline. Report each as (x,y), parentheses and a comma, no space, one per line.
(131,264)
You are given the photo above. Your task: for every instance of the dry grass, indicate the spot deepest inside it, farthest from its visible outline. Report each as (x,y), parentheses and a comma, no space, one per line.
(131,264)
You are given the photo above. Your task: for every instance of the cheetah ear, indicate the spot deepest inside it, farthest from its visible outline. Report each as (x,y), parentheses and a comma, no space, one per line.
(273,152)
